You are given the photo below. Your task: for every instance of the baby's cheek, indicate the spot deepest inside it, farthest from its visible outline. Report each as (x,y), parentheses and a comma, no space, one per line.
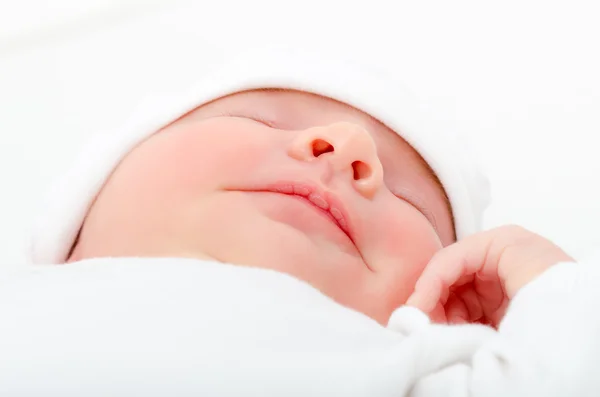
(410,240)
(403,251)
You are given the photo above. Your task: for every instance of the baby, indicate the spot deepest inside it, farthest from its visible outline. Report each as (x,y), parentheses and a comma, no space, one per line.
(325,173)
(283,180)
(275,171)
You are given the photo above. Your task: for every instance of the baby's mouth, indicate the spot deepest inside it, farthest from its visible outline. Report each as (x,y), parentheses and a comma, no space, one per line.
(319,202)
(325,203)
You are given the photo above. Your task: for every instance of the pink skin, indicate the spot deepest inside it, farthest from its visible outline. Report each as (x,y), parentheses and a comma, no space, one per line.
(281,180)
(325,202)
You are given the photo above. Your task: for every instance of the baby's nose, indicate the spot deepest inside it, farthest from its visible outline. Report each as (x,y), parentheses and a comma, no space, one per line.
(350,150)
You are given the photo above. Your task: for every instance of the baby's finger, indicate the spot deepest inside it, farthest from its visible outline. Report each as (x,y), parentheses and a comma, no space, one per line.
(492,295)
(470,299)
(456,310)
(438,315)
(454,265)
(428,293)
(474,254)
(435,293)
(433,286)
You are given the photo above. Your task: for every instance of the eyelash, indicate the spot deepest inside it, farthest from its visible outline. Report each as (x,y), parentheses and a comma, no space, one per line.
(418,207)
(253,117)
(259,119)
(426,213)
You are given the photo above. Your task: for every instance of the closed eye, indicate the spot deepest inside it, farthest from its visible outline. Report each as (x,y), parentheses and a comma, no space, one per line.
(261,120)
(252,116)
(419,206)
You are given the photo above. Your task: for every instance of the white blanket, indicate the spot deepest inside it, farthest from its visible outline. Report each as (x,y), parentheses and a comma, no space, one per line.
(181,327)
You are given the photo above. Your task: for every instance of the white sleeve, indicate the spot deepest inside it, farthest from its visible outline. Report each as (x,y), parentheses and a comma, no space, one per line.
(547,345)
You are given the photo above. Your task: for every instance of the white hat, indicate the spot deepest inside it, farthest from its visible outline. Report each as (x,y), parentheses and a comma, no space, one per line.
(69,201)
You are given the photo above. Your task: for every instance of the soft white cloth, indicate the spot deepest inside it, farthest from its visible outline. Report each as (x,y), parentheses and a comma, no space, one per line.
(364,88)
(183,327)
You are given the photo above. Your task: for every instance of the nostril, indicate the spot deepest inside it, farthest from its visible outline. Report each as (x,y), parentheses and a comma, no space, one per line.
(320,147)
(361,170)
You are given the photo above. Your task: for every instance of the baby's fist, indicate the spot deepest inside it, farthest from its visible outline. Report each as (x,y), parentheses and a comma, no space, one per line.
(474,279)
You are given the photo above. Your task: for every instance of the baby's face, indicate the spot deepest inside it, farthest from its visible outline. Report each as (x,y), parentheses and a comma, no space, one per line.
(282,180)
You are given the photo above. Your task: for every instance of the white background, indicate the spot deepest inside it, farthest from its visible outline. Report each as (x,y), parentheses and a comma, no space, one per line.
(519,78)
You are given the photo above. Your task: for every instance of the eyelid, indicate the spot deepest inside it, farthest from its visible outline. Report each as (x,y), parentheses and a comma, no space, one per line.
(261,120)
(250,116)
(418,204)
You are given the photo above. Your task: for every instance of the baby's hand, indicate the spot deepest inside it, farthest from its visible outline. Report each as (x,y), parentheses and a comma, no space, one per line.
(473,280)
